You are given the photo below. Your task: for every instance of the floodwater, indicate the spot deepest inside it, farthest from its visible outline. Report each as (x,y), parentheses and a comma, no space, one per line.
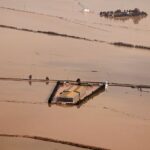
(23,144)
(116,119)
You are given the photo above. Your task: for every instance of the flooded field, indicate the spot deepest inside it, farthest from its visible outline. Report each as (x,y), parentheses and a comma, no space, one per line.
(23,144)
(118,118)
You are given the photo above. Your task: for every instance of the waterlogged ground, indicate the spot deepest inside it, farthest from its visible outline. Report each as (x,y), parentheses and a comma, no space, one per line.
(23,144)
(116,119)
(120,111)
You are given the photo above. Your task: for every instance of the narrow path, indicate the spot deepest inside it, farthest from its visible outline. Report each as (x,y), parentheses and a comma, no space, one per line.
(138,86)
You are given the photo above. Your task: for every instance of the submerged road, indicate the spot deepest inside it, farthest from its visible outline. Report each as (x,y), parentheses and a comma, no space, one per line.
(138,86)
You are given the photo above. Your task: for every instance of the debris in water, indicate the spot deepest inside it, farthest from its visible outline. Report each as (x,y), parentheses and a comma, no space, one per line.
(86,10)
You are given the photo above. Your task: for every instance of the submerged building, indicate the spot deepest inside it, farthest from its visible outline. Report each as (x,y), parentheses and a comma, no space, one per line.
(72,95)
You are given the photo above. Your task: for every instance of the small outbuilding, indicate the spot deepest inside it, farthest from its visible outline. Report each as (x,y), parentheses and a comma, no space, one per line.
(72,95)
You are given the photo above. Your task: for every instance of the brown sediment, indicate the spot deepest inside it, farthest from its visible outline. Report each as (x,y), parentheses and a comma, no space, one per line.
(53,140)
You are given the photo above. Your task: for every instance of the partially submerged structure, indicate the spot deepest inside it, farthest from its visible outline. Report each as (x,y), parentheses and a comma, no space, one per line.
(74,93)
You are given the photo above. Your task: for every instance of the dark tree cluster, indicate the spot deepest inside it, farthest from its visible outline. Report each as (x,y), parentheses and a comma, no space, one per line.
(125,13)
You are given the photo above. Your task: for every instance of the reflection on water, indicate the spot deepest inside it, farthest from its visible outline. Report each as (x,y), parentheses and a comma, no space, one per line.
(135,20)
(30,82)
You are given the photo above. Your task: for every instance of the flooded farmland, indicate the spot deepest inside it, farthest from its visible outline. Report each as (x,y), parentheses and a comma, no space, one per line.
(118,118)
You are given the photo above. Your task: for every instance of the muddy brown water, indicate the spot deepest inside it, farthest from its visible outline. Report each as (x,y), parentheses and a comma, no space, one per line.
(116,119)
